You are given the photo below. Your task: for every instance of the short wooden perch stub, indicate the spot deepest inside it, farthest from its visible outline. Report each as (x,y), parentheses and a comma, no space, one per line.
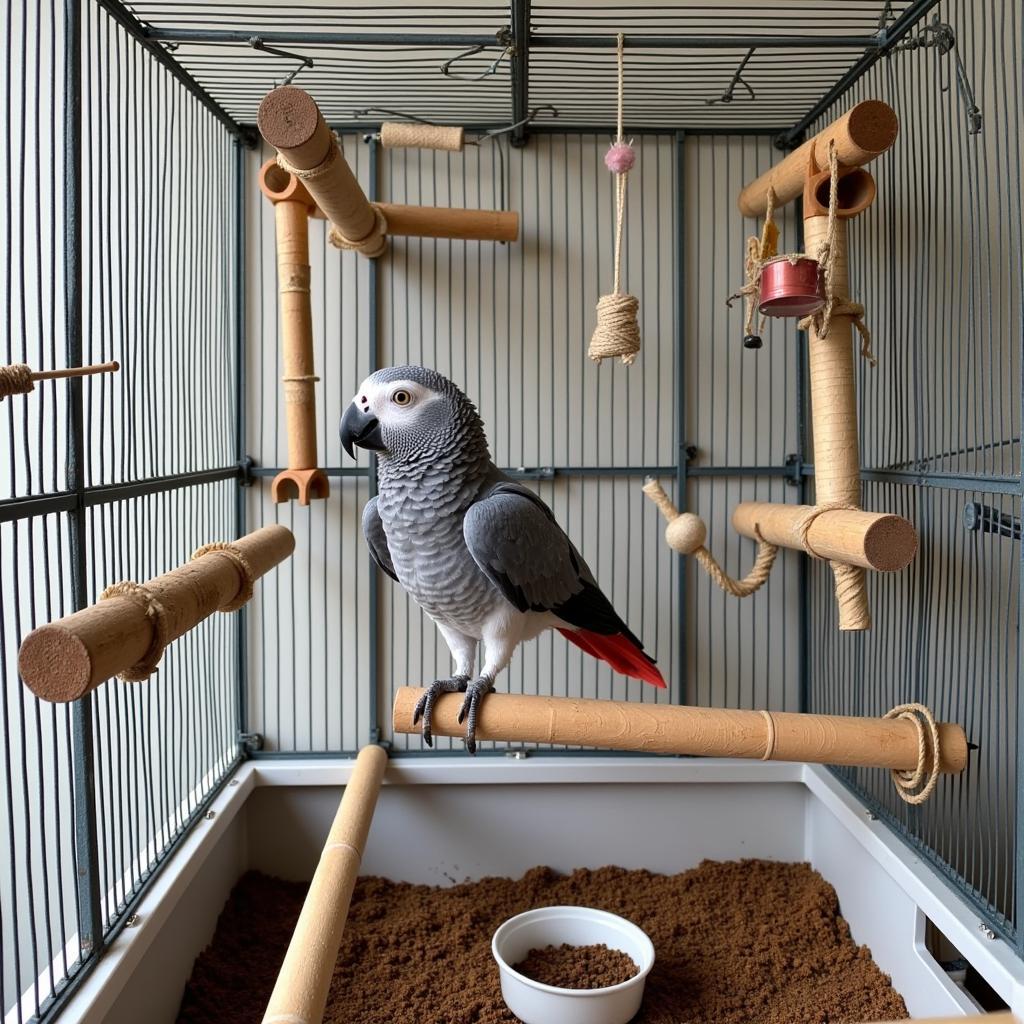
(126,632)
(291,122)
(19,379)
(902,743)
(300,994)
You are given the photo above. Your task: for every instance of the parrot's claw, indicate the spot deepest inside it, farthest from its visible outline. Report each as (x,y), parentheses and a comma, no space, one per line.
(475,693)
(425,705)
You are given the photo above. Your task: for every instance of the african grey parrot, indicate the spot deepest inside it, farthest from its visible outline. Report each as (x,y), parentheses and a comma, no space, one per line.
(482,555)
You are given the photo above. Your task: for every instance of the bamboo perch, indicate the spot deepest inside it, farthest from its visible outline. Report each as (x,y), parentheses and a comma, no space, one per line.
(292,205)
(860,135)
(871,540)
(702,732)
(66,659)
(19,379)
(300,994)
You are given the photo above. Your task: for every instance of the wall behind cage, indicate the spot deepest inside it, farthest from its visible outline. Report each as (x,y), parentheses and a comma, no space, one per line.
(936,263)
(510,324)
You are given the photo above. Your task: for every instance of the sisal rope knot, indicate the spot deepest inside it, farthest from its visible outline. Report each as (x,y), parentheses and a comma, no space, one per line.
(686,534)
(157,616)
(914,787)
(372,245)
(241,563)
(617,332)
(15,380)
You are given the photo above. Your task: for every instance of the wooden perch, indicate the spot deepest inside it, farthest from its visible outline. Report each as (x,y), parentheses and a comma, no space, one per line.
(291,122)
(871,540)
(19,379)
(300,994)
(66,659)
(864,132)
(703,732)
(416,135)
(292,205)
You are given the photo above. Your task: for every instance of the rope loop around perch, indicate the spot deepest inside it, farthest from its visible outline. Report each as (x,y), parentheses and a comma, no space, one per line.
(15,380)
(914,787)
(369,246)
(245,571)
(156,614)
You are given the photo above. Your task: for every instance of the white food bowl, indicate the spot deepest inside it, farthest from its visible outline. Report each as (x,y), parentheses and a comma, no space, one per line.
(535,1003)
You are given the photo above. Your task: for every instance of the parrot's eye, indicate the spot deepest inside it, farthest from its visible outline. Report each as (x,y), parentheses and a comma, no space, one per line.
(401,397)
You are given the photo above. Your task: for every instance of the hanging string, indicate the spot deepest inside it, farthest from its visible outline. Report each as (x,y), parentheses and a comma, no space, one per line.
(617,332)
(835,304)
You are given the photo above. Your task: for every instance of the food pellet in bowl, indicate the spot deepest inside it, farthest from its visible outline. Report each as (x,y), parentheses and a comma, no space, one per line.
(567,966)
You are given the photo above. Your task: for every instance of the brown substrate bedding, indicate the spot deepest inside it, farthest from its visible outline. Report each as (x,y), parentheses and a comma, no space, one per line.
(739,942)
(568,966)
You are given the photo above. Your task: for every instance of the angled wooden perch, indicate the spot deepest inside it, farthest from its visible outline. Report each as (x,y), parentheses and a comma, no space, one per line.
(291,122)
(300,993)
(125,633)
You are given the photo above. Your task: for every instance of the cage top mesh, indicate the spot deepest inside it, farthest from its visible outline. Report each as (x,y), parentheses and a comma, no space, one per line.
(717,66)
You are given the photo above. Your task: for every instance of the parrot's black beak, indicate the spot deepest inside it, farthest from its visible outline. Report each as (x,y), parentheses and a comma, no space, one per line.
(362,429)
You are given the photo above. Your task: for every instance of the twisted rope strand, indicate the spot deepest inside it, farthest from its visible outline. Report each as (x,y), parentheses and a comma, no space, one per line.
(752,582)
(914,787)
(15,380)
(157,615)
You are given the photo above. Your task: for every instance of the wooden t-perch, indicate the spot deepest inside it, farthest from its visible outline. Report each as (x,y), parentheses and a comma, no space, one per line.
(291,122)
(125,633)
(300,993)
(865,132)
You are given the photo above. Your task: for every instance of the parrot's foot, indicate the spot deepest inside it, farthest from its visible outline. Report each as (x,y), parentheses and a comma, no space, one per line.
(425,705)
(475,693)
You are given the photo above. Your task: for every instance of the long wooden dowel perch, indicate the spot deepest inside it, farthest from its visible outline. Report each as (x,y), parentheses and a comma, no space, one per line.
(864,132)
(19,379)
(125,633)
(707,732)
(300,994)
(442,222)
(871,540)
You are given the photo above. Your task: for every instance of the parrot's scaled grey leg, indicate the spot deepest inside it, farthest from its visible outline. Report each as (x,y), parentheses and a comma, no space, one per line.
(475,693)
(425,705)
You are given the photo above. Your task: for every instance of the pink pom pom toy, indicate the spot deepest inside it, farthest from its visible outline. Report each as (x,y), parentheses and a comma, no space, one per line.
(620,157)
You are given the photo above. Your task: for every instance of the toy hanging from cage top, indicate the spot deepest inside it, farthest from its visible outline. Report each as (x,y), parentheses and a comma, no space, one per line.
(19,379)
(617,332)
(827,170)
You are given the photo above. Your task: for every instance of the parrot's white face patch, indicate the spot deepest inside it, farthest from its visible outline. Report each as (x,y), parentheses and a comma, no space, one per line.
(394,403)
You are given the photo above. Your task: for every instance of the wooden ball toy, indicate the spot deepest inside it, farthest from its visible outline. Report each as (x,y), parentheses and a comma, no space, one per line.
(686,533)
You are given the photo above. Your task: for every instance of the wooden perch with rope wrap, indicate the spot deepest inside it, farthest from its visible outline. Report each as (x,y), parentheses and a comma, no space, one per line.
(907,741)
(291,122)
(126,631)
(19,379)
(304,981)
(826,169)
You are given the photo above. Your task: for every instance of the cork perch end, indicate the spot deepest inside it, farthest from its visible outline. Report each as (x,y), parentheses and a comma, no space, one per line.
(288,117)
(304,484)
(55,664)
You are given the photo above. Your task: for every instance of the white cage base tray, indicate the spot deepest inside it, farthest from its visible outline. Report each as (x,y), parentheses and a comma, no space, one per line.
(452,818)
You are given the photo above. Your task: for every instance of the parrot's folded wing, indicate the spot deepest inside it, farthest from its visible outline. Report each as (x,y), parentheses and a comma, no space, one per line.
(376,539)
(515,540)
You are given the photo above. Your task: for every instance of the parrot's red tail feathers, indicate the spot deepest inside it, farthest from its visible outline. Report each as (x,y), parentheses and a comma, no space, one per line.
(619,651)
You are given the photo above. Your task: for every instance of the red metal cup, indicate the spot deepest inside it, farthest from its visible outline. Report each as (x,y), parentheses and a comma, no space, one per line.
(791,288)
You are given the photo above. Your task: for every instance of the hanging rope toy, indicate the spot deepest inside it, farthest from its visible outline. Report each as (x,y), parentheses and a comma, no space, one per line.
(686,534)
(836,305)
(617,332)
(19,379)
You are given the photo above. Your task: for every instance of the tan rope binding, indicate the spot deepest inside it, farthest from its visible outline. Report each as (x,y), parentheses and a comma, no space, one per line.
(914,787)
(617,332)
(836,305)
(15,380)
(371,245)
(157,616)
(245,572)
